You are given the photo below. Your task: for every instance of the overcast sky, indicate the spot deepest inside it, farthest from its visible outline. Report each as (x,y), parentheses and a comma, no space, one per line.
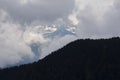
(31,10)
(31,29)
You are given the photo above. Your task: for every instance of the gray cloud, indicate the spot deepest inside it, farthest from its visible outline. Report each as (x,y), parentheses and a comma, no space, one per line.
(97,19)
(41,10)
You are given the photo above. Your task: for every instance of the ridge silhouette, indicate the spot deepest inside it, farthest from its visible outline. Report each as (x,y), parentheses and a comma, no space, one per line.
(79,60)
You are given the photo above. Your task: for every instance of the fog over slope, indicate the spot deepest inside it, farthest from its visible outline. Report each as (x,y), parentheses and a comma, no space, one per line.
(31,29)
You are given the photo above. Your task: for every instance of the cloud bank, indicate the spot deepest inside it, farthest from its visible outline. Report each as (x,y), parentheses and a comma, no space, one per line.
(31,29)
(27,11)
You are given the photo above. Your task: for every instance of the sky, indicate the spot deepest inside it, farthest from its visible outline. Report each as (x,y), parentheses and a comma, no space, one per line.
(32,29)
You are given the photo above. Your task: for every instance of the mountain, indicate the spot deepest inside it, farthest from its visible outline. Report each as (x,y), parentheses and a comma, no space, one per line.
(58,31)
(80,60)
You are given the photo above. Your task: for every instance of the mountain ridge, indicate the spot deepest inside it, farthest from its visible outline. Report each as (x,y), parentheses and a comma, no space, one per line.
(79,60)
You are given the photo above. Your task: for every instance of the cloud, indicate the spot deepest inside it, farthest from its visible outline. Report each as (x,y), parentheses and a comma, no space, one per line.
(27,11)
(32,29)
(21,45)
(13,50)
(97,18)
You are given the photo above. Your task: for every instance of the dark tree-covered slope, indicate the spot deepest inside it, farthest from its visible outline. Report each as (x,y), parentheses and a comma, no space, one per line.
(79,60)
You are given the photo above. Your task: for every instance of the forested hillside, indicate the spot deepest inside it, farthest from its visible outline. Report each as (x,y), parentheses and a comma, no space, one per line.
(79,60)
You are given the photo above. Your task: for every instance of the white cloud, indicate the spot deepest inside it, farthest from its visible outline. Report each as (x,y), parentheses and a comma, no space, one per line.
(20,45)
(13,50)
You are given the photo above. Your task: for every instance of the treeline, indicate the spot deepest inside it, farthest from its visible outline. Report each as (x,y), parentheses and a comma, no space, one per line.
(80,60)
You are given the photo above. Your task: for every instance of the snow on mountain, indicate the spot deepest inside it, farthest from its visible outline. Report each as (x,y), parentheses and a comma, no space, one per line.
(41,37)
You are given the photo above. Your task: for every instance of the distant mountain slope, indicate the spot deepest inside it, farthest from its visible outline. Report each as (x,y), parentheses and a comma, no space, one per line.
(79,60)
